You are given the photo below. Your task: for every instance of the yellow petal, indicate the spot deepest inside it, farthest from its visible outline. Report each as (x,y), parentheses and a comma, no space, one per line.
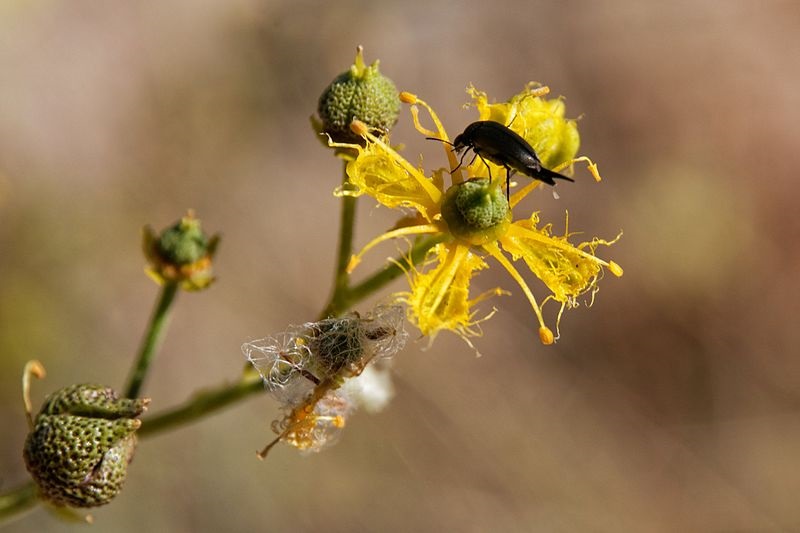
(540,121)
(378,172)
(439,298)
(567,270)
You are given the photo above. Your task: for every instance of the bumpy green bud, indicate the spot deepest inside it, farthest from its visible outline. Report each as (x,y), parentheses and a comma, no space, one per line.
(476,211)
(183,243)
(181,253)
(81,443)
(361,93)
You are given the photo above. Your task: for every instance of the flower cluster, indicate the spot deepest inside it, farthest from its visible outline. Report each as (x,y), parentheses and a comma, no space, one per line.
(474,220)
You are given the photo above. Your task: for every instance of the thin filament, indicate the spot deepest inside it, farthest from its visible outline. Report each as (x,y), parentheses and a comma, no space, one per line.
(495,252)
(400,232)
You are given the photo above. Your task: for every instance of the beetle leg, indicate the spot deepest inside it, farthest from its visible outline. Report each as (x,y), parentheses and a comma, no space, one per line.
(509,172)
(488,168)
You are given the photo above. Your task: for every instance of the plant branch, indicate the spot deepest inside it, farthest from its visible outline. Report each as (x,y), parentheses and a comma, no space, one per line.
(211,400)
(338,301)
(201,404)
(393,270)
(152,338)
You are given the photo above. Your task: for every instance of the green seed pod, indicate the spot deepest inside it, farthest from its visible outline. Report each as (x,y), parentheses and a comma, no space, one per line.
(361,93)
(81,443)
(476,211)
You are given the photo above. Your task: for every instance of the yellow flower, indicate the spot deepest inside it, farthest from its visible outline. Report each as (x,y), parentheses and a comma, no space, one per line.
(474,220)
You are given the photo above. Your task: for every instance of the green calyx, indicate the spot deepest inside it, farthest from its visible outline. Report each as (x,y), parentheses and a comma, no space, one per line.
(180,254)
(81,443)
(183,243)
(361,93)
(476,211)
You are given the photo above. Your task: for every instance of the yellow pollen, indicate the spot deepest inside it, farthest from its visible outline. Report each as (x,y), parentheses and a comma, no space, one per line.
(546,335)
(408,98)
(354,261)
(615,268)
(358,127)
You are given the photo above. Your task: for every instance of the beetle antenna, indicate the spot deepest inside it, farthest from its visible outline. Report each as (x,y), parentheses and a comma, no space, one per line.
(440,140)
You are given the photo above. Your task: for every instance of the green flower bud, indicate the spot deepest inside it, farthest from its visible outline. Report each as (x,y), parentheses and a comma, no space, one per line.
(181,253)
(183,243)
(361,93)
(81,443)
(476,211)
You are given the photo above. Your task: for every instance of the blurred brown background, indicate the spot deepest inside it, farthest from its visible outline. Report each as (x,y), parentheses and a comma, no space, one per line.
(671,405)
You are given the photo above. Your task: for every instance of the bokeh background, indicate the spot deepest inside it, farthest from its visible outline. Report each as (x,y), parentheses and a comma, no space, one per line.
(671,405)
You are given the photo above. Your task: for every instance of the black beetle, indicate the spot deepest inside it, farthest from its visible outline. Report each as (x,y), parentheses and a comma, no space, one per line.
(502,146)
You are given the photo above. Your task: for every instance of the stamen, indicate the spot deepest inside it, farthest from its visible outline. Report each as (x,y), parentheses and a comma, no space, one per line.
(495,252)
(334,144)
(410,230)
(533,92)
(408,98)
(418,125)
(439,127)
(36,369)
(546,335)
(440,134)
(561,312)
(590,165)
(497,291)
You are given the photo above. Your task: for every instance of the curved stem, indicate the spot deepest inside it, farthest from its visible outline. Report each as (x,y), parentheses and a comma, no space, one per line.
(201,404)
(152,339)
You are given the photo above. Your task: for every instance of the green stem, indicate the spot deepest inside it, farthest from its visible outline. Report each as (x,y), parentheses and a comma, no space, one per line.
(24,497)
(18,500)
(152,339)
(392,270)
(338,302)
(201,404)
(206,402)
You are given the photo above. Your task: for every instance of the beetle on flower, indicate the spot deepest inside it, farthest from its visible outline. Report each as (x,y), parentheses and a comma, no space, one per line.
(473,218)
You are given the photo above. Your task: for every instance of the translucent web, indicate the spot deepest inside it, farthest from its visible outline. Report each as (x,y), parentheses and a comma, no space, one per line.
(304,367)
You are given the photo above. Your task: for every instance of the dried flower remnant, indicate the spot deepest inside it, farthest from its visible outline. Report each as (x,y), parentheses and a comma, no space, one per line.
(317,372)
